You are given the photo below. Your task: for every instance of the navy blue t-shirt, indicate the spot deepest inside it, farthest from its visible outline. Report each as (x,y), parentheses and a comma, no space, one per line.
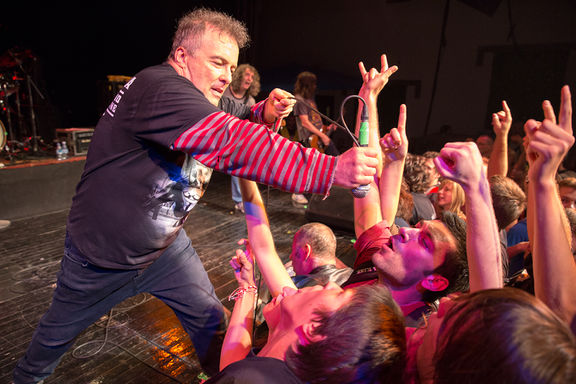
(135,193)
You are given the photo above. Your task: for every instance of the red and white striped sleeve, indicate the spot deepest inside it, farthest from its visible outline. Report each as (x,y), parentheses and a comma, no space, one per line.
(249,150)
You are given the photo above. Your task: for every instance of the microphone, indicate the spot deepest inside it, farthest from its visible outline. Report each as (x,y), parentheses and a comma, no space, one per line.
(362,190)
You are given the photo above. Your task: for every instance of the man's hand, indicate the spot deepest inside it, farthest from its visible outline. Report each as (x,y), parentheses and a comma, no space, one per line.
(374,81)
(462,163)
(278,105)
(395,143)
(502,121)
(548,142)
(356,166)
(243,265)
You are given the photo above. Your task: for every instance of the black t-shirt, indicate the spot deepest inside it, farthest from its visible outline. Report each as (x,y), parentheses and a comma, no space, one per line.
(135,193)
(256,370)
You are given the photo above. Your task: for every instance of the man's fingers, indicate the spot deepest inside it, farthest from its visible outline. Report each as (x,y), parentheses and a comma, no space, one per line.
(548,111)
(505,108)
(383,63)
(565,116)
(402,119)
(362,70)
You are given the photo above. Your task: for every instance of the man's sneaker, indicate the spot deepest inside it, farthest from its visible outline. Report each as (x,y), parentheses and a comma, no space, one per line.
(239,207)
(4,224)
(299,198)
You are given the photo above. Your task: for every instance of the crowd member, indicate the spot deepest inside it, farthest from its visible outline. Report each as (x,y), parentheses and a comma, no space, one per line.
(496,336)
(309,122)
(554,269)
(147,166)
(450,197)
(501,124)
(245,86)
(421,264)
(419,179)
(485,143)
(405,206)
(567,191)
(319,334)
(314,258)
(432,171)
(535,345)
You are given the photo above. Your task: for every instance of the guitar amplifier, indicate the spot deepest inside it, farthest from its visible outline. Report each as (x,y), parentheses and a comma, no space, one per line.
(77,139)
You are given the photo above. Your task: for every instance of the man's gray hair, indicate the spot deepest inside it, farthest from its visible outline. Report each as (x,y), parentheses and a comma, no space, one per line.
(191,28)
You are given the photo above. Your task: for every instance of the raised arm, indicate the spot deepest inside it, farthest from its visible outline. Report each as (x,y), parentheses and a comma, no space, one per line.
(367,210)
(501,123)
(394,148)
(261,241)
(553,262)
(238,339)
(462,163)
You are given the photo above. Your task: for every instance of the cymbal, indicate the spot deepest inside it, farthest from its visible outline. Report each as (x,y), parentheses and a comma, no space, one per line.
(11,58)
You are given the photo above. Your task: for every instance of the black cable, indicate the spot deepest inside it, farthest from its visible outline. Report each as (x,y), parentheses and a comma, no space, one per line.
(344,126)
(438,61)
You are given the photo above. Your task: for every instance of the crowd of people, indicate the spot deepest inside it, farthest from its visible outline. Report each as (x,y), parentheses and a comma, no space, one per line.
(461,275)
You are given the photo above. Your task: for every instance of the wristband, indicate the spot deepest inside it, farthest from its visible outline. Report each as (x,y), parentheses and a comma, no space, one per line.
(239,292)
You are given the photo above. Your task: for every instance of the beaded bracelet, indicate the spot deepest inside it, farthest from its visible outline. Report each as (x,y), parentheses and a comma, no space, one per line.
(239,292)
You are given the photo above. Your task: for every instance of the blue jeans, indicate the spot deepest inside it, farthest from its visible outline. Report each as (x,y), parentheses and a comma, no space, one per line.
(236,194)
(85,292)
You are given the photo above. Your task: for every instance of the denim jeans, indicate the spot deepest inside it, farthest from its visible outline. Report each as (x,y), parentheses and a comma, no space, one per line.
(236,194)
(85,292)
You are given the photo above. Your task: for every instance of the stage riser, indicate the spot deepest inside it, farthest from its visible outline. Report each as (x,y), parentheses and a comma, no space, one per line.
(39,189)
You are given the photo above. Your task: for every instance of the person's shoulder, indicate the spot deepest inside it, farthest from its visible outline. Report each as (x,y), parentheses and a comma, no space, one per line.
(256,369)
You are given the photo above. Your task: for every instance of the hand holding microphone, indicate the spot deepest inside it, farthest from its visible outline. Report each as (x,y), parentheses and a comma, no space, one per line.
(362,190)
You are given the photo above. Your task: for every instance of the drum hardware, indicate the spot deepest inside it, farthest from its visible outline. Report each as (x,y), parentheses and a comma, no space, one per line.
(29,84)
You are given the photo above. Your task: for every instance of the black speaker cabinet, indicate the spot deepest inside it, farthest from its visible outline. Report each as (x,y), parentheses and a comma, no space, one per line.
(337,211)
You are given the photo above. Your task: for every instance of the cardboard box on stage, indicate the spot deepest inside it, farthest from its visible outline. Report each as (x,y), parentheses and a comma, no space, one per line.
(77,139)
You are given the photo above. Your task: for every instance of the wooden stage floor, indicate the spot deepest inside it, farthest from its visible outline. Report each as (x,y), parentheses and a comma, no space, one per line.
(142,341)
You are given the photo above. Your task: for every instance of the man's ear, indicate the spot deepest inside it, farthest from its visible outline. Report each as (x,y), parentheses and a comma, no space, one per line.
(179,57)
(306,334)
(308,250)
(435,282)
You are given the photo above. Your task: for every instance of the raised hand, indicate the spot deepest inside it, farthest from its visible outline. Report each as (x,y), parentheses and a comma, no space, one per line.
(502,121)
(547,142)
(395,143)
(462,163)
(243,265)
(373,80)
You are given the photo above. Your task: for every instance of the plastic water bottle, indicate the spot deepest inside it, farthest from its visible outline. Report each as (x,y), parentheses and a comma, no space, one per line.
(64,151)
(58,151)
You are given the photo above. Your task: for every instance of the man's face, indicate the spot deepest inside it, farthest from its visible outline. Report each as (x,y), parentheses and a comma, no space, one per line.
(294,307)
(432,171)
(568,196)
(414,253)
(247,79)
(210,67)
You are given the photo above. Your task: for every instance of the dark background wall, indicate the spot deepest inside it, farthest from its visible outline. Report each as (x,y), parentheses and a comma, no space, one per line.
(458,58)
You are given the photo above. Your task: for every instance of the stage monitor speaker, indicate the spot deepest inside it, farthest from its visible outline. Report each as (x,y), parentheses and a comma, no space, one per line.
(77,139)
(336,211)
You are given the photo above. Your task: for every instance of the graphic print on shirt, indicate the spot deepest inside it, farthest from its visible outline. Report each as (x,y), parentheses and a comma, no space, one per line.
(173,198)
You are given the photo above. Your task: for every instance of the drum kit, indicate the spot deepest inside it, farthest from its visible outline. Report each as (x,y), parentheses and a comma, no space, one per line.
(16,94)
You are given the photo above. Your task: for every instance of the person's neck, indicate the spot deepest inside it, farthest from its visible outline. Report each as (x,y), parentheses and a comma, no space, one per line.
(277,344)
(403,295)
(239,95)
